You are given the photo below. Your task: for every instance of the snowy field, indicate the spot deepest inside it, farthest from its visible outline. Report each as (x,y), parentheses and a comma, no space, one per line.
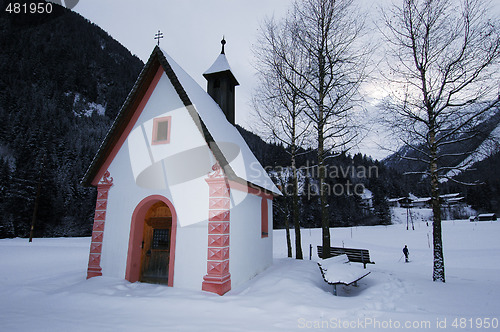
(43,288)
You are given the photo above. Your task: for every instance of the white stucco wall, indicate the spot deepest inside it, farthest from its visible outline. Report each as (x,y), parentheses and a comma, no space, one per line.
(191,256)
(249,253)
(178,171)
(141,169)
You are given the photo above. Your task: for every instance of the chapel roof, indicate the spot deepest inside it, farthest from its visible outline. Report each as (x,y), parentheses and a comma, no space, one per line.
(206,114)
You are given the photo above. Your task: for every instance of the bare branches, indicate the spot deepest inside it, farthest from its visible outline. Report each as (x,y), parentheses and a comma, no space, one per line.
(329,35)
(312,66)
(279,105)
(314,60)
(443,64)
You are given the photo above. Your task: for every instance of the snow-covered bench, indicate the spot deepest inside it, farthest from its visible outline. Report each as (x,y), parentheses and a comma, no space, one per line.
(354,255)
(337,270)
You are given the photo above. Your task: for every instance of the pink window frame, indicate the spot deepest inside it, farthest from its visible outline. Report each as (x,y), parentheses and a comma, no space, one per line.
(156,121)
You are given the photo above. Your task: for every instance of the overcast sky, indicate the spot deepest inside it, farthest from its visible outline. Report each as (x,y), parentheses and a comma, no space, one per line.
(192,32)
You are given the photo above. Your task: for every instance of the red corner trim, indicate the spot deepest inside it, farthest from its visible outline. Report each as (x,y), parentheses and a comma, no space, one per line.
(94,267)
(218,279)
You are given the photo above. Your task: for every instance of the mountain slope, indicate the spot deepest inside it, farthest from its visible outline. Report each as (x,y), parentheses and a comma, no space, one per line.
(477,161)
(62,81)
(465,153)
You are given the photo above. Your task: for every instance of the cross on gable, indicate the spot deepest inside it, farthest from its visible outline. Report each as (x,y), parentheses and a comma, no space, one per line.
(158,36)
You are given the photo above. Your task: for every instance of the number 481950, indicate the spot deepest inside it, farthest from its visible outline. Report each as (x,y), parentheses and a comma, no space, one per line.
(478,323)
(31,8)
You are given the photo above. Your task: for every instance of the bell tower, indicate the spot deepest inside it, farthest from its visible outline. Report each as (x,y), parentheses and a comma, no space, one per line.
(221,83)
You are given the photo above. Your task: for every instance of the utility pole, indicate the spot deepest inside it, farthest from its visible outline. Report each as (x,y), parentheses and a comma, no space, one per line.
(35,209)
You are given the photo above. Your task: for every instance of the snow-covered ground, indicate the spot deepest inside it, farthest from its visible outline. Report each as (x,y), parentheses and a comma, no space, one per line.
(43,288)
(402,215)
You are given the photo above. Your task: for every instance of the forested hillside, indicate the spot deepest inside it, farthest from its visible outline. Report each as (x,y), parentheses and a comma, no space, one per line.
(344,172)
(62,81)
(479,157)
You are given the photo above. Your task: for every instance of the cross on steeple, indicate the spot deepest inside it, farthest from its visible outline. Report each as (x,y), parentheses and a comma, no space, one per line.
(158,36)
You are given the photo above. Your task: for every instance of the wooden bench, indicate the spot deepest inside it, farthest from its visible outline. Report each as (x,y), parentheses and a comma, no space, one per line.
(354,255)
(338,271)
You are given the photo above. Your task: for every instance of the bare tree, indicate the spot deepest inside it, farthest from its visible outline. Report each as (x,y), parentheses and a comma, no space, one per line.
(279,106)
(329,33)
(443,61)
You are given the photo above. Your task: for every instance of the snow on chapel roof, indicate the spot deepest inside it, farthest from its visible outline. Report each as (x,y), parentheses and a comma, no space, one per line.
(219,134)
(247,167)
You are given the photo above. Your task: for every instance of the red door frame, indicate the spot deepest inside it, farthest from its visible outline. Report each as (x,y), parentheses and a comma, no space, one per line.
(132,272)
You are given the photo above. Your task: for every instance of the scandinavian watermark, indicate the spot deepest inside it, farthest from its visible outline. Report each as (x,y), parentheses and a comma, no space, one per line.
(340,180)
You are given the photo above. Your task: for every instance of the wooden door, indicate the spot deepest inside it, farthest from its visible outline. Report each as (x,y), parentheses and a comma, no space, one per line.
(156,250)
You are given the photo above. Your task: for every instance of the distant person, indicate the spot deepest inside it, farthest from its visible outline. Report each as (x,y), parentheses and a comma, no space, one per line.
(406,252)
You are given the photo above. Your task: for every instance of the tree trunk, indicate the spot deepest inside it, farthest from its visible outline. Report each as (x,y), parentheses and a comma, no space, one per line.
(286,210)
(295,207)
(325,223)
(438,271)
(288,241)
(37,197)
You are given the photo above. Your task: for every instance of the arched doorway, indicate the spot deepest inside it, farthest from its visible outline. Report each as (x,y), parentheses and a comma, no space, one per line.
(155,245)
(151,251)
